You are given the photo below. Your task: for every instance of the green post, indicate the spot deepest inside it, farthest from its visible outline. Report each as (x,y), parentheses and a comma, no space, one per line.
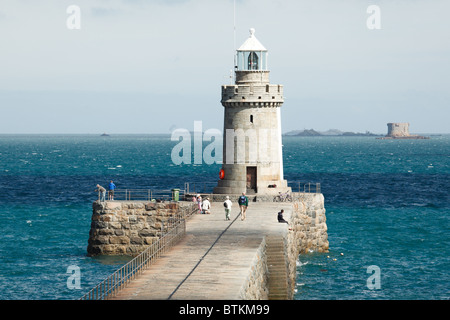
(175,194)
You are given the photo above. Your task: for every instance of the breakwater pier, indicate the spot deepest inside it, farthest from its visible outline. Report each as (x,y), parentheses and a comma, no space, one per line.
(219,259)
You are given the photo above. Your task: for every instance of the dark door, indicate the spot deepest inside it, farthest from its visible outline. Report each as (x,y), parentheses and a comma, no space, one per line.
(251,179)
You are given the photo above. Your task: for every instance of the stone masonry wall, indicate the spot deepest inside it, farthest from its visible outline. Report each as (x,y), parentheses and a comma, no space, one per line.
(128,227)
(309,233)
(256,285)
(398,129)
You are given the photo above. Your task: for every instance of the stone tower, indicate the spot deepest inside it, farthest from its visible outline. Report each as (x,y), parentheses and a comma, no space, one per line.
(398,129)
(252,146)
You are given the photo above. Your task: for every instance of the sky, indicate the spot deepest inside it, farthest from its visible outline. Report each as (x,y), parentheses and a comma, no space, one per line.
(152,66)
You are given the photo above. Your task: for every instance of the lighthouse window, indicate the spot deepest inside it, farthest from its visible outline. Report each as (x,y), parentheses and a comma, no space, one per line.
(253,61)
(251,118)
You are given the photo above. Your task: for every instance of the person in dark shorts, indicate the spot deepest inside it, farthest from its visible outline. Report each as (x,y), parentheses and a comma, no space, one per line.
(112,187)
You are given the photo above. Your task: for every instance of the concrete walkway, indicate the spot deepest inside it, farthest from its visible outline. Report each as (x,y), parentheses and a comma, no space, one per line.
(214,259)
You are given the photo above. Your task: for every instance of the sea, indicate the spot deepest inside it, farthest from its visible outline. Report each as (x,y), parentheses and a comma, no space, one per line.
(387,206)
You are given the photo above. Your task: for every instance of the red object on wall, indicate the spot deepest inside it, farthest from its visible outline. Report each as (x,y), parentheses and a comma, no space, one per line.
(221,174)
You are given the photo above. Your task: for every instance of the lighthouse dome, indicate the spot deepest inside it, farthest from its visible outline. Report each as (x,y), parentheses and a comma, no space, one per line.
(251,55)
(252,44)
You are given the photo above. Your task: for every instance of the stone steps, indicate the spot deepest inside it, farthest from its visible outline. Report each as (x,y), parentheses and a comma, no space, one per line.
(276,262)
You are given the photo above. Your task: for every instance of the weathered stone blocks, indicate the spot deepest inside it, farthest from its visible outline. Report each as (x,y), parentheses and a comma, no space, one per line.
(309,230)
(128,228)
(308,234)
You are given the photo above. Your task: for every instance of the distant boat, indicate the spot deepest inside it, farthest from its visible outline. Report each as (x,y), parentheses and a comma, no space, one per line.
(105,135)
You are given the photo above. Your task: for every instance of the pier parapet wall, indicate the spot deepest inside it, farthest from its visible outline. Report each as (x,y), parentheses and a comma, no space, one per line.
(129,227)
(308,234)
(310,231)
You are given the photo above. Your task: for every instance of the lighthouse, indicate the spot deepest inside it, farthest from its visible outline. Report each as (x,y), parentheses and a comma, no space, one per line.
(252,145)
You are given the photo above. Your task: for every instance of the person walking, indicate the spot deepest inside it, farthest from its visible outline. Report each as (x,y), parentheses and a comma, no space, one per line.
(101,193)
(243,204)
(227,204)
(112,187)
(199,203)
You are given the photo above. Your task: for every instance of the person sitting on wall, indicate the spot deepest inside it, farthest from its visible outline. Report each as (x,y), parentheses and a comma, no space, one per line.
(280,217)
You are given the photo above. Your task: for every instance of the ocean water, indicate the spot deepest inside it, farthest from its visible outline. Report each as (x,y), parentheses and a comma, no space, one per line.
(387,205)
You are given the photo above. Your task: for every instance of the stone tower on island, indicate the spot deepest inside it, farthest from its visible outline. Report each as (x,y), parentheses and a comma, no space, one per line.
(252,146)
(400,130)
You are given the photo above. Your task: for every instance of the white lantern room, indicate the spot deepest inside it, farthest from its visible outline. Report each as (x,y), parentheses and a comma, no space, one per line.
(251,56)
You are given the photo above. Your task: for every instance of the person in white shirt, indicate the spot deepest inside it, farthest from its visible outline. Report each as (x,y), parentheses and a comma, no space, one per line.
(206,206)
(199,203)
(227,204)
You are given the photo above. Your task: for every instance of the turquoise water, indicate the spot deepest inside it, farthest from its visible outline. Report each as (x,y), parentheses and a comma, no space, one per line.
(387,205)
